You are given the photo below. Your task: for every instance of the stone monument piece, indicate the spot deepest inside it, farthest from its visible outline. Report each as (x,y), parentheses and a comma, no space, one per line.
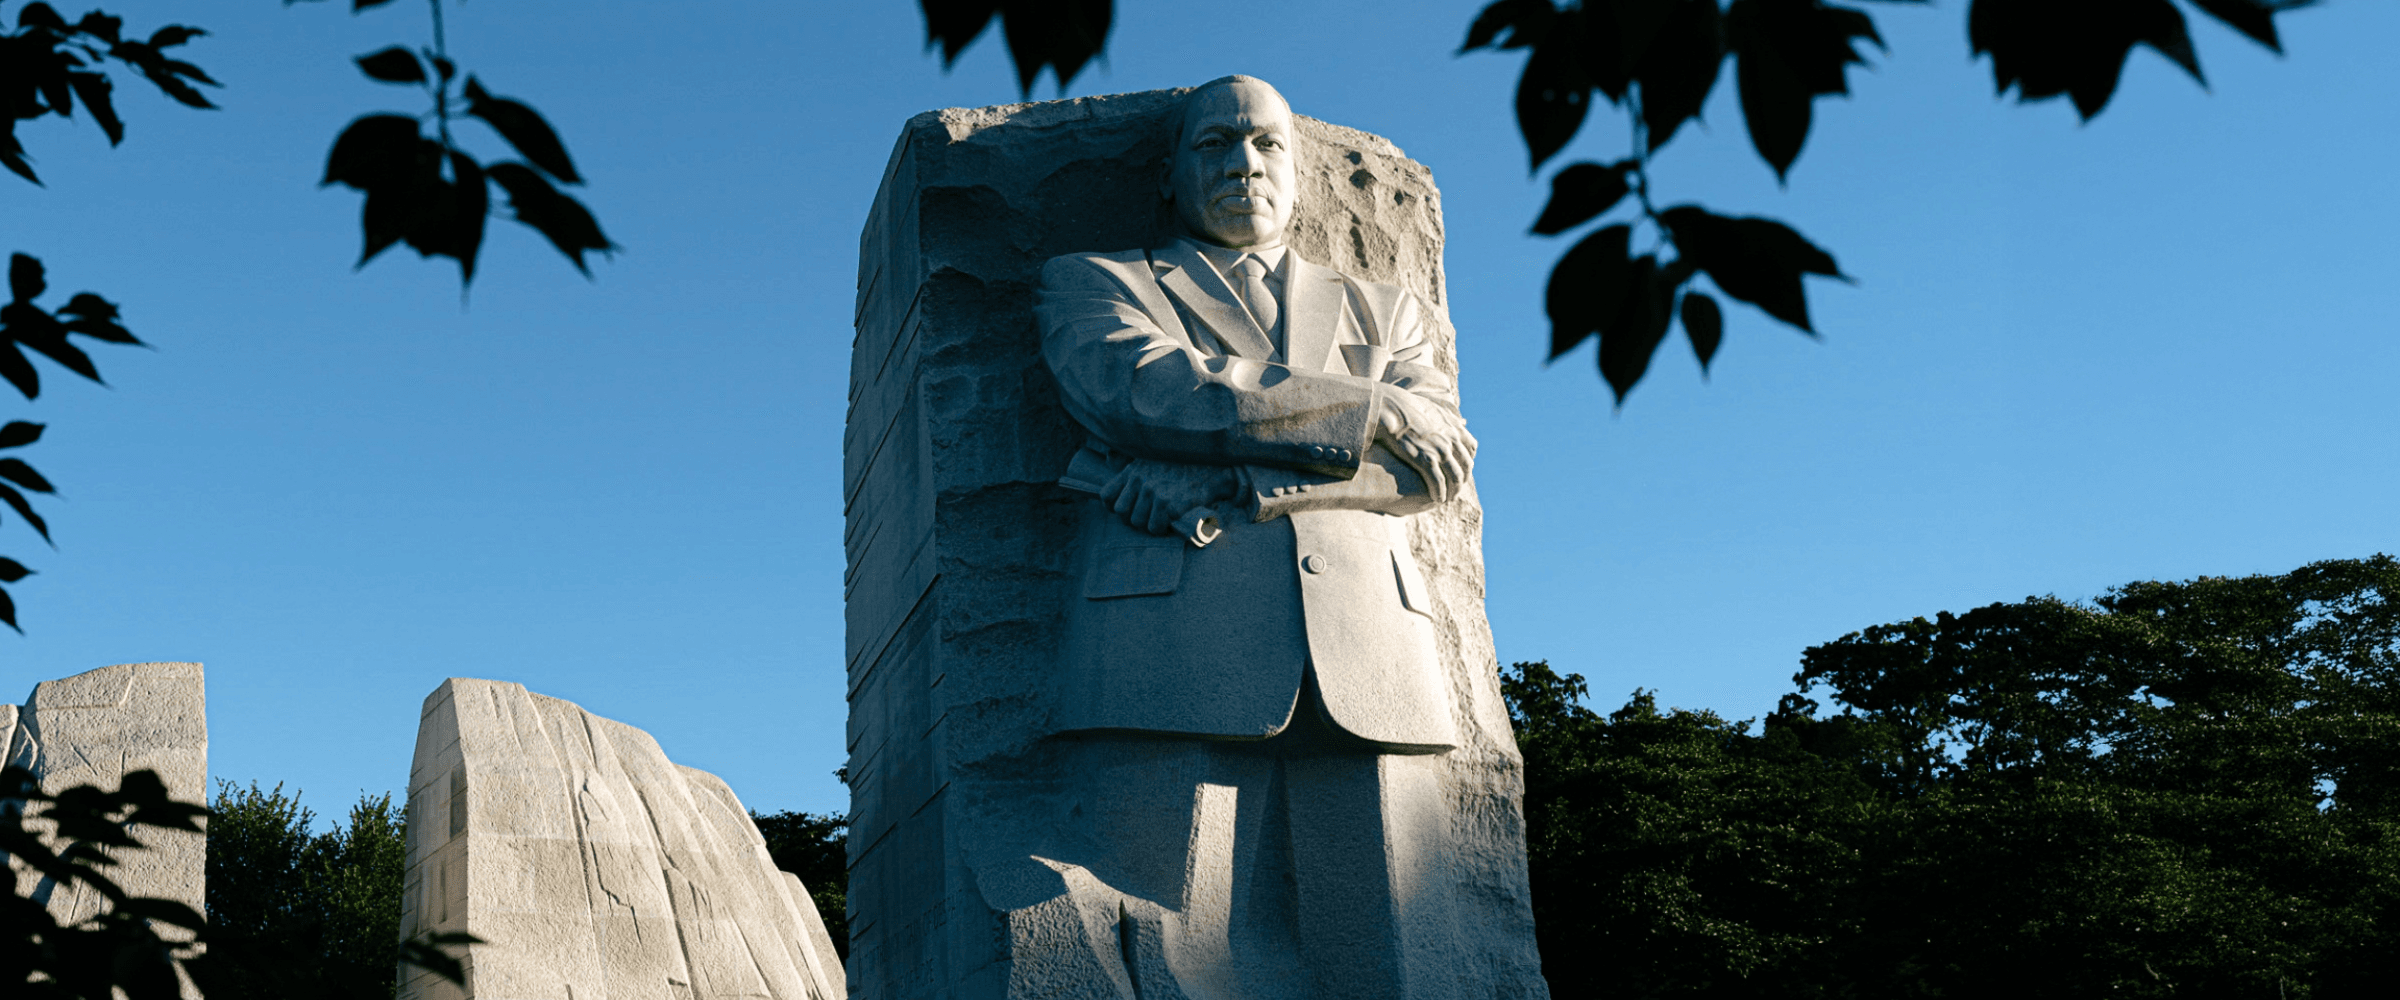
(93,729)
(1169,675)
(592,867)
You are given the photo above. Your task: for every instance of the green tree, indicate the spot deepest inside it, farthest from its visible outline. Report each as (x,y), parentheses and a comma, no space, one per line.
(1678,854)
(2180,789)
(814,847)
(302,915)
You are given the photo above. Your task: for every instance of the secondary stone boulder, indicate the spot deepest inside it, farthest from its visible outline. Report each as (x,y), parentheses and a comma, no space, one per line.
(93,729)
(592,867)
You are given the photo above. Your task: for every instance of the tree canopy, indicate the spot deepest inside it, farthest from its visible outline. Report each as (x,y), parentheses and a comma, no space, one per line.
(2178,789)
(296,914)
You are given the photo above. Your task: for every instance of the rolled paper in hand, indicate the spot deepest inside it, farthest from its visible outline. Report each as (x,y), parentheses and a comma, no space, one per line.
(1199,526)
(1088,471)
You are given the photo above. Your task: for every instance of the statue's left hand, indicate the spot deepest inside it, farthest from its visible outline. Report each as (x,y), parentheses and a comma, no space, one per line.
(1150,495)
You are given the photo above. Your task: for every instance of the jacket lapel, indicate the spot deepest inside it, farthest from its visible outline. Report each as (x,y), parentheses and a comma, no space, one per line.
(1312,314)
(1197,286)
(1154,302)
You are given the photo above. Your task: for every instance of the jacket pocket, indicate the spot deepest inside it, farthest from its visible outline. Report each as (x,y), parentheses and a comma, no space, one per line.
(1413,594)
(1135,570)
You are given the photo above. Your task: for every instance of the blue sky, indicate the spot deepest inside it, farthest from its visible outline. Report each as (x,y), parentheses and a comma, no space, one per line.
(2155,346)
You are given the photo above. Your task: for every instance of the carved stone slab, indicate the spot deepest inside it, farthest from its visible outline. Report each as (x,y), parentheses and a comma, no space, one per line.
(593,867)
(94,728)
(962,547)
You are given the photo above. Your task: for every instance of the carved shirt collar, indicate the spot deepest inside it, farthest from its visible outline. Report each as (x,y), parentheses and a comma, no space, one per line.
(1224,259)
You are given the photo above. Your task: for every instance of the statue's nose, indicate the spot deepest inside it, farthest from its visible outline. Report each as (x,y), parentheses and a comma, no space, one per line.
(1250,163)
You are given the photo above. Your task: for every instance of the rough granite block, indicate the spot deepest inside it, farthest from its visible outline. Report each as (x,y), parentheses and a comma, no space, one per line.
(593,867)
(962,548)
(93,729)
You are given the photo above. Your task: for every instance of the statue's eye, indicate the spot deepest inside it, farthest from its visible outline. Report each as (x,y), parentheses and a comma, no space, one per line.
(1269,142)
(1211,142)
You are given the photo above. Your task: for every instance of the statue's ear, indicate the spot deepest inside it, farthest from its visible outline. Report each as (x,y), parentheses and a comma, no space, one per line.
(1166,179)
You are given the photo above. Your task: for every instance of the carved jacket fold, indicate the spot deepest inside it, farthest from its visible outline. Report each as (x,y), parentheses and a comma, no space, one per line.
(1156,358)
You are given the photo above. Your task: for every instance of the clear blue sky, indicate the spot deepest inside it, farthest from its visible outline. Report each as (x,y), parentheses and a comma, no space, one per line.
(2157,346)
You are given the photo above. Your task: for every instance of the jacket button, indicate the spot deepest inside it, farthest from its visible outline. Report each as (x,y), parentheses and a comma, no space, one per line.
(1313,564)
(1317,450)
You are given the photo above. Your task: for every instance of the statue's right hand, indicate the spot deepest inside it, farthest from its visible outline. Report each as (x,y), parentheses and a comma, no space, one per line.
(1150,495)
(1430,439)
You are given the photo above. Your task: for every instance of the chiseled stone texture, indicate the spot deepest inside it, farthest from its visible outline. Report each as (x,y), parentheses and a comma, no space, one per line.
(592,866)
(962,547)
(94,728)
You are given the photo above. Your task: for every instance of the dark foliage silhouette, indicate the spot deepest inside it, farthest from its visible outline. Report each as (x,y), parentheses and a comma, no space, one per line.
(1627,282)
(1062,35)
(47,67)
(23,324)
(427,191)
(70,840)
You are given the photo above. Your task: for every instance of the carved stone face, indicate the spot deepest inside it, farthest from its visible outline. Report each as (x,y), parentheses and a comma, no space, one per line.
(1233,177)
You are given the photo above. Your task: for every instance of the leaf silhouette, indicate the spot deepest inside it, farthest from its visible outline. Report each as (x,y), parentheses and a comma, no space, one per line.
(1631,338)
(1587,287)
(24,509)
(2045,48)
(1703,325)
(559,218)
(1581,192)
(1553,96)
(25,280)
(1759,261)
(524,129)
(392,65)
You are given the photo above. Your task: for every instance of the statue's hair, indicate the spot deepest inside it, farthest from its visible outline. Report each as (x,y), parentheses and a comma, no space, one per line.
(1183,113)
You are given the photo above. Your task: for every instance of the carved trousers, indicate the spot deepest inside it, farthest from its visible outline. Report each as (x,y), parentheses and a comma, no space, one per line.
(1303,866)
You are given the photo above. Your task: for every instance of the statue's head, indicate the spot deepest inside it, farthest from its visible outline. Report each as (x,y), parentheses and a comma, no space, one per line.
(1233,175)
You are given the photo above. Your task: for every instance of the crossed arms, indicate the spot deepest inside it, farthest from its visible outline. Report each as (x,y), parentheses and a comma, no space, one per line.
(1205,430)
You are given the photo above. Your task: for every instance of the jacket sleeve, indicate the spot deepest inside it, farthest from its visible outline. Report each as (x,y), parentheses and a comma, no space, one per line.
(1384,483)
(1412,366)
(1149,393)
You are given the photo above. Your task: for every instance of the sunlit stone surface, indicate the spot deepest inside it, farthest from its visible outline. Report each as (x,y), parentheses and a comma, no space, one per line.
(93,728)
(1000,845)
(592,866)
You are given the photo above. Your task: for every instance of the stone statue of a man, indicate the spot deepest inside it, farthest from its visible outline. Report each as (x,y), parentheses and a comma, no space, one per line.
(1251,652)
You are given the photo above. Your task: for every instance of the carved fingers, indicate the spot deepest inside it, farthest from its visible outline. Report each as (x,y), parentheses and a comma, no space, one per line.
(1431,439)
(1151,495)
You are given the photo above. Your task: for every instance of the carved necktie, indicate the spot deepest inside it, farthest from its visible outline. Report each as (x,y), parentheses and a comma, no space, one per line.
(1255,294)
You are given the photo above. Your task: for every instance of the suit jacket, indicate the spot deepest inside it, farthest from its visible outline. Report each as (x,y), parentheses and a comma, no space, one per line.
(1156,358)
